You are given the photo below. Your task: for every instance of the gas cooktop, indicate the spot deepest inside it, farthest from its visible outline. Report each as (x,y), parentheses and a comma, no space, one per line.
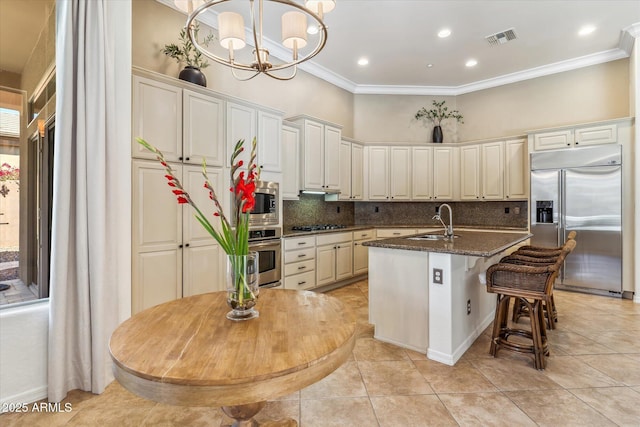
(318,227)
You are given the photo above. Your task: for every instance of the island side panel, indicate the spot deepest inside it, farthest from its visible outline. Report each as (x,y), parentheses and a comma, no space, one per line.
(452,329)
(399,297)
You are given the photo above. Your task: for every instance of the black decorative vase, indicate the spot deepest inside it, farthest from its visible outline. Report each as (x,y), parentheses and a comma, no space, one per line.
(437,134)
(194,75)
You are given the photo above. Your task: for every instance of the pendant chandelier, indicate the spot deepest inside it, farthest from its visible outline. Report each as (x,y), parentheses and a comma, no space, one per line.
(231,34)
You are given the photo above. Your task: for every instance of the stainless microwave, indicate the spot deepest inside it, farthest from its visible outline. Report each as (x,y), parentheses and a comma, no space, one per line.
(265,212)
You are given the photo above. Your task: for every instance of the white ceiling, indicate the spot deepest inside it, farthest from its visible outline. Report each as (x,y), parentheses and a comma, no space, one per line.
(399,37)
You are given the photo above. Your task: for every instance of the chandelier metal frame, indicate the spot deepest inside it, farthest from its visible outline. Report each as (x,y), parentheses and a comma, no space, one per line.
(261,63)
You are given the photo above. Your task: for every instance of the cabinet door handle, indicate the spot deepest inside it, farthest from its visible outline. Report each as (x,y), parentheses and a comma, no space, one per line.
(356,244)
(302,283)
(302,255)
(180,158)
(302,243)
(187,245)
(179,246)
(302,267)
(396,234)
(187,159)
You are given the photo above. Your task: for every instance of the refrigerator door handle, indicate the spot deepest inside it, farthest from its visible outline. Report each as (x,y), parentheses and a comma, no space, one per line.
(561,209)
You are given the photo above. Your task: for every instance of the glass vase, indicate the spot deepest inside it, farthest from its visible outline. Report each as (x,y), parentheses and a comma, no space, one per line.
(242,286)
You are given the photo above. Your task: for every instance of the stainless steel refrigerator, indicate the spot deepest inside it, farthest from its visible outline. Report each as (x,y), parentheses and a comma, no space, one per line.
(581,189)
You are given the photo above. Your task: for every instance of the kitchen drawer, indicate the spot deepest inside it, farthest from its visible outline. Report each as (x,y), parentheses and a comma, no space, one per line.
(299,242)
(364,234)
(299,267)
(597,135)
(301,281)
(331,238)
(300,255)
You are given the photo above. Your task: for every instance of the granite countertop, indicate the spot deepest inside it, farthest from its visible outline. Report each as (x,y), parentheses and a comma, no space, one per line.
(291,233)
(473,243)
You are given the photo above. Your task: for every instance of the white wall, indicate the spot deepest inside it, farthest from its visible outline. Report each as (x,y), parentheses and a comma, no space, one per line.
(23,352)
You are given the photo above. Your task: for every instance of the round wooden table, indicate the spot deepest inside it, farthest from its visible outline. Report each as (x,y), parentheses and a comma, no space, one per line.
(186,352)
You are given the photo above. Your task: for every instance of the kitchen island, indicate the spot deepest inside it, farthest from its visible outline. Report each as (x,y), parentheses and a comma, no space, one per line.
(427,295)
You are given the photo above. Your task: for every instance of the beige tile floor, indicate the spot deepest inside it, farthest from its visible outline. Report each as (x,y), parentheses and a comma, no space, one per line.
(592,379)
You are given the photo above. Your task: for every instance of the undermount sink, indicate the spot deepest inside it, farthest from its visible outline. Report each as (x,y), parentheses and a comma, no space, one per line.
(432,237)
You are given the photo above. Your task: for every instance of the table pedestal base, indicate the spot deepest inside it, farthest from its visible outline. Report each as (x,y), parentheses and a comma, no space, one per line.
(243,416)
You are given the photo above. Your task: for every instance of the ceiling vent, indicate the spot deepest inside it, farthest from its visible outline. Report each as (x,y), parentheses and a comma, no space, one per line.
(502,37)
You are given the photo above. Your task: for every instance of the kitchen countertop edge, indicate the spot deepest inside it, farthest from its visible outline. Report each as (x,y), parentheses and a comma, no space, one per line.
(290,233)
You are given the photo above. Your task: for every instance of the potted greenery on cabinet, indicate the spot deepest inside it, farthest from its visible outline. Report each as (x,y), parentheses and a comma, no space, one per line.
(186,53)
(436,115)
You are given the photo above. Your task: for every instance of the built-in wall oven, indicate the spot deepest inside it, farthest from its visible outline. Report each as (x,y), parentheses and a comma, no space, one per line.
(266,241)
(265,211)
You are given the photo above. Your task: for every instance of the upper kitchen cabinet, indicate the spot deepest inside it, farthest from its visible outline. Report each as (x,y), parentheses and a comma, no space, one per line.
(245,122)
(516,169)
(421,173)
(320,156)
(290,185)
(185,125)
(351,170)
(575,136)
(389,173)
(444,168)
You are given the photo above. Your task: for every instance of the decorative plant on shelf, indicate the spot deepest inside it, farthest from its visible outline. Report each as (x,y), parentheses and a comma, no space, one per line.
(242,285)
(186,53)
(436,115)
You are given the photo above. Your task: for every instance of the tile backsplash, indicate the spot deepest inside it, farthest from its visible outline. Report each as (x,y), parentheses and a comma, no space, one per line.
(312,209)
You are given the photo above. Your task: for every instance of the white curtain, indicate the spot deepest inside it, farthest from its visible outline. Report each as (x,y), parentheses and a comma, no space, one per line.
(91,232)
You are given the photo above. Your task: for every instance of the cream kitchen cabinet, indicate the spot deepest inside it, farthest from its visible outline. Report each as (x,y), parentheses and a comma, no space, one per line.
(576,136)
(345,170)
(389,173)
(378,173)
(470,172)
(320,156)
(360,252)
(246,122)
(172,255)
(516,169)
(400,168)
(290,185)
(492,171)
(444,167)
(357,171)
(351,170)
(334,257)
(482,171)
(421,173)
(300,262)
(185,125)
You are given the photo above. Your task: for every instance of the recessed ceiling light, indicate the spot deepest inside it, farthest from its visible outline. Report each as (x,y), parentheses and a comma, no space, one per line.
(312,29)
(429,65)
(363,61)
(586,30)
(445,32)
(471,63)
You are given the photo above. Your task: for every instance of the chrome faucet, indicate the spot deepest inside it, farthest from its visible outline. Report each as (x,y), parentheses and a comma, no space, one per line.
(448,230)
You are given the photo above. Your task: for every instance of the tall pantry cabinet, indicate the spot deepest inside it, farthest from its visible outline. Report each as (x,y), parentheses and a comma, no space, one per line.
(173,256)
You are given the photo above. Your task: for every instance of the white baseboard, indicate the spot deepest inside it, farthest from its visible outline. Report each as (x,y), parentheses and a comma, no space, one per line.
(28,396)
(452,359)
(399,344)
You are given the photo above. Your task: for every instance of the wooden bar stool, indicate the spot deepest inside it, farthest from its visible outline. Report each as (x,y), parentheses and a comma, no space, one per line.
(538,255)
(532,286)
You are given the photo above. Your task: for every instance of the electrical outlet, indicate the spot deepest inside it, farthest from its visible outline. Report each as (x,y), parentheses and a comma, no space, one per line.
(506,210)
(376,209)
(516,210)
(437,276)
(468,307)
(338,209)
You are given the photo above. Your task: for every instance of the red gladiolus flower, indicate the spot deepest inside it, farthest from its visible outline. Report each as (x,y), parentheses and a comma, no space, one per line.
(171,184)
(182,200)
(177,192)
(169,177)
(216,214)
